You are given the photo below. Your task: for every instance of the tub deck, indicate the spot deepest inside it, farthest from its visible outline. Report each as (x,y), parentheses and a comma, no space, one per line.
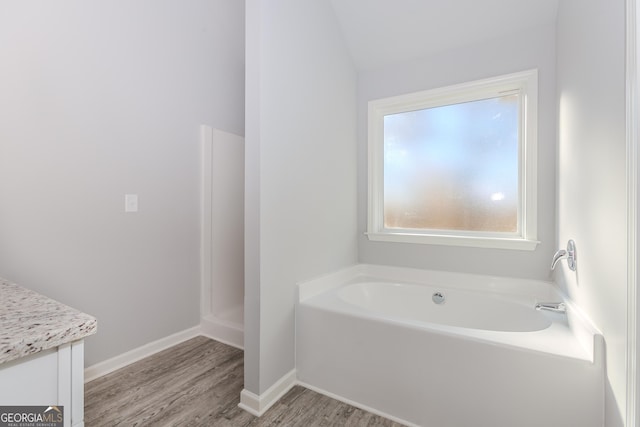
(426,374)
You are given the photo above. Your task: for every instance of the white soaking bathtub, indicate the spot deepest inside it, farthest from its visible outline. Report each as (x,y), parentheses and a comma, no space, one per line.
(437,349)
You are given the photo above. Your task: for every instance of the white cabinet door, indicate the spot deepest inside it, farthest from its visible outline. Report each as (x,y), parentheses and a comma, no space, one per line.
(51,377)
(30,380)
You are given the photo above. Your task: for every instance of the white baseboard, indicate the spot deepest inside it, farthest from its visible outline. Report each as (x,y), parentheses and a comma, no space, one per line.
(258,405)
(224,331)
(124,359)
(356,404)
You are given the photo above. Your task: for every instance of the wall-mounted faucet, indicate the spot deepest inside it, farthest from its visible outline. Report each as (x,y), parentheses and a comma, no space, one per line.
(569,254)
(556,307)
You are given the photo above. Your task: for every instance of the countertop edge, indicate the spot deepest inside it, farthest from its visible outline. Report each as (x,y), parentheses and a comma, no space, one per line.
(31,322)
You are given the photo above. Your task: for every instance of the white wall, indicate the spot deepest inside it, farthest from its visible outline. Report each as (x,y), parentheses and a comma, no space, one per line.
(100,99)
(518,52)
(301,179)
(591,174)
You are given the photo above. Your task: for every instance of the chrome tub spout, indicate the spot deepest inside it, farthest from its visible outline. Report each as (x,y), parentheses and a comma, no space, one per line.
(556,307)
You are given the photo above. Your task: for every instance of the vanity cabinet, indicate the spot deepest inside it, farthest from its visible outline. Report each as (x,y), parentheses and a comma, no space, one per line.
(42,352)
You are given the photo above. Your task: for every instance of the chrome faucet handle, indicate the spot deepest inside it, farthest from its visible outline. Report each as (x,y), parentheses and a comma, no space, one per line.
(561,254)
(569,254)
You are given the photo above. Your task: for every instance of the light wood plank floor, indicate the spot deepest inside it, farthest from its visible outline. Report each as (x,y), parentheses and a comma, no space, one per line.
(198,383)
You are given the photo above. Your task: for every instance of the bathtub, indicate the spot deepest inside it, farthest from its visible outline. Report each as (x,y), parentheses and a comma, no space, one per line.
(438,349)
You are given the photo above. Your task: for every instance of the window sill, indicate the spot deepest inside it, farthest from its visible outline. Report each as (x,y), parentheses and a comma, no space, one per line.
(468,241)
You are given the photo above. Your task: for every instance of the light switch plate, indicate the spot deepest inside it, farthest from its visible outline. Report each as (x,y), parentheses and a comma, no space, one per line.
(131,203)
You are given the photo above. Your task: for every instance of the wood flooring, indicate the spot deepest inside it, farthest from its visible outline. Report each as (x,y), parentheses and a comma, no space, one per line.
(198,383)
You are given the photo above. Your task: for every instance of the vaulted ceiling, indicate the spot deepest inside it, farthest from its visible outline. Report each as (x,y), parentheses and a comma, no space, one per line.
(379,32)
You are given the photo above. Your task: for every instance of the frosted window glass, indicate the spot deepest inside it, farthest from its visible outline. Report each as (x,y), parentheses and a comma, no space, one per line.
(453,167)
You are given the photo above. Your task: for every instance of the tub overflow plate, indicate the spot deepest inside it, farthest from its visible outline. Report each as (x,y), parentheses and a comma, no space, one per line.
(438,298)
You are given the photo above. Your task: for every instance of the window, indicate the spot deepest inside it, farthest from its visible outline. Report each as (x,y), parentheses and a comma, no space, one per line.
(456,165)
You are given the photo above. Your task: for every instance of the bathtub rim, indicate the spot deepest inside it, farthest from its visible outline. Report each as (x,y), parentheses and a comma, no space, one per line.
(446,279)
(588,336)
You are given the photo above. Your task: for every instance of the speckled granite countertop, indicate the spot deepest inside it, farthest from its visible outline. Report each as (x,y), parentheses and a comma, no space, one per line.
(30,322)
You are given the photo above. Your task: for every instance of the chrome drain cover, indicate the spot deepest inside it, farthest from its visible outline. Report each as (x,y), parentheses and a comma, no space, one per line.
(438,298)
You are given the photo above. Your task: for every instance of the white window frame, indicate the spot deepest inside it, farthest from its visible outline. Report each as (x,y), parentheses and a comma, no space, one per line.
(526,84)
